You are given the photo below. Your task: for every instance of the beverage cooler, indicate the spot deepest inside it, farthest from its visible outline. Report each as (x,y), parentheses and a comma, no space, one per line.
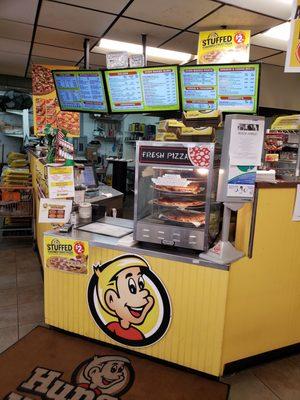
(174,196)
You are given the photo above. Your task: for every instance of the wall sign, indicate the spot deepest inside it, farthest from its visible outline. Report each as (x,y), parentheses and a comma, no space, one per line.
(46,109)
(224,46)
(66,255)
(128,301)
(292,60)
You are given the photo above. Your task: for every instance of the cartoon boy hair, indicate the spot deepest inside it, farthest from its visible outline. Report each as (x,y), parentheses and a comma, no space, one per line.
(121,292)
(107,376)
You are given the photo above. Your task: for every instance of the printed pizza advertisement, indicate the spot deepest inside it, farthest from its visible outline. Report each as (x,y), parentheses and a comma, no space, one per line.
(224,46)
(200,155)
(67,255)
(45,103)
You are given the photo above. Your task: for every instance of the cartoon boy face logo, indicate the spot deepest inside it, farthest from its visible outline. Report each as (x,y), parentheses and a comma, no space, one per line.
(128,301)
(108,377)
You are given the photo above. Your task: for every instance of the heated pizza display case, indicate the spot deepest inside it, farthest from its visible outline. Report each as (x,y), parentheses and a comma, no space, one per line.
(174,197)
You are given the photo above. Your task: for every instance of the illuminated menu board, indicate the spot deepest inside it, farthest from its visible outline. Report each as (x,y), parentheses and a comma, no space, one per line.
(229,88)
(143,89)
(80,91)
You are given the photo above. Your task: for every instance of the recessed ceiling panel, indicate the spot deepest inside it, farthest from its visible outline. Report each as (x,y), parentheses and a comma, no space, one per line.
(12,64)
(272,43)
(127,30)
(236,18)
(98,59)
(14,46)
(15,30)
(257,52)
(114,6)
(60,38)
(275,8)
(279,59)
(42,50)
(186,42)
(18,10)
(74,19)
(175,13)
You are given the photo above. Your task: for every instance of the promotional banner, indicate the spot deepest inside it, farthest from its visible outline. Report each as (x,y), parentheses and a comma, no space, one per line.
(224,46)
(45,103)
(66,255)
(292,61)
(61,182)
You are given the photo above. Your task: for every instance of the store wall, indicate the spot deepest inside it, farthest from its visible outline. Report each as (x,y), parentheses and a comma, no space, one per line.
(278,89)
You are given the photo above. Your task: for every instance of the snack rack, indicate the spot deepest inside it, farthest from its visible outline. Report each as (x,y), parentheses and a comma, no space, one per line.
(173,194)
(16,211)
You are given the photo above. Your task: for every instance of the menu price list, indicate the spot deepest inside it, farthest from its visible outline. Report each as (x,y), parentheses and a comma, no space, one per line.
(81,91)
(233,88)
(142,90)
(160,88)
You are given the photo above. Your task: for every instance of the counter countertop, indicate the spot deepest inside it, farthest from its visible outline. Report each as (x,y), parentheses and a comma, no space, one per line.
(177,254)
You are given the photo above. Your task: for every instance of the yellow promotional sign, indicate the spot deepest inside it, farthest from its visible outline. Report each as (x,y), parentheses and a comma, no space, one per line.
(292,61)
(66,255)
(61,182)
(45,103)
(224,46)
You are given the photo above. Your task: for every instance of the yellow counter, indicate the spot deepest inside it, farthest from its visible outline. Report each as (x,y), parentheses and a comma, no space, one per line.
(218,314)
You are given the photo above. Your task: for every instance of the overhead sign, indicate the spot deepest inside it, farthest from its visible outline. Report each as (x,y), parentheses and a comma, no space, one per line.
(224,46)
(292,60)
(46,110)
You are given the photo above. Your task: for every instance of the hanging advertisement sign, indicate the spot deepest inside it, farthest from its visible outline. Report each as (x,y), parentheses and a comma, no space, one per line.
(292,60)
(61,182)
(45,103)
(224,46)
(66,255)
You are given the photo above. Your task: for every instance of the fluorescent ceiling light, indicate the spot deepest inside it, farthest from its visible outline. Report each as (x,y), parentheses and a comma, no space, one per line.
(153,53)
(280,32)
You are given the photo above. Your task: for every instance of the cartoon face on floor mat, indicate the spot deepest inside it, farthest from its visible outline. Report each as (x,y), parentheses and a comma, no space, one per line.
(107,376)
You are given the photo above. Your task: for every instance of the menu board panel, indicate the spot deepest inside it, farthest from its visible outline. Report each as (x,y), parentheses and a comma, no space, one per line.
(80,90)
(143,89)
(229,88)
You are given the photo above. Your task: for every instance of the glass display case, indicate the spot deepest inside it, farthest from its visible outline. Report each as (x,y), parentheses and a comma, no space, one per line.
(174,202)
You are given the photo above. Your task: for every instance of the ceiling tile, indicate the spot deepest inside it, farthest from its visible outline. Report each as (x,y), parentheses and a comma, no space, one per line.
(60,38)
(127,30)
(279,59)
(98,59)
(19,10)
(42,50)
(13,64)
(15,30)
(235,18)
(279,8)
(74,19)
(14,46)
(186,42)
(114,6)
(272,43)
(175,13)
(257,52)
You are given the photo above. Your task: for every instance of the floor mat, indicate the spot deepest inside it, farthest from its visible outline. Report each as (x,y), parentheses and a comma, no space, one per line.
(52,365)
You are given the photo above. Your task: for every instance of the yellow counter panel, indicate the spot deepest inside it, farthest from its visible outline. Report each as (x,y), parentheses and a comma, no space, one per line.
(219,315)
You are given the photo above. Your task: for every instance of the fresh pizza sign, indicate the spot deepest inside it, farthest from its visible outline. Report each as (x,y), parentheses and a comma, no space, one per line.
(198,156)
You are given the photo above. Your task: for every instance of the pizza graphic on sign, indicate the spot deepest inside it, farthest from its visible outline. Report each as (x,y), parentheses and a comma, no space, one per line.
(200,156)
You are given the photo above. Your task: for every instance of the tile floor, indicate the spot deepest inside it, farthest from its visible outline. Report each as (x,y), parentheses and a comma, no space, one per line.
(21,309)
(21,291)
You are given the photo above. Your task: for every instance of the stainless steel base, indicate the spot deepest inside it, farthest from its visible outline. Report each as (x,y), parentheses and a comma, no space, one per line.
(189,238)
